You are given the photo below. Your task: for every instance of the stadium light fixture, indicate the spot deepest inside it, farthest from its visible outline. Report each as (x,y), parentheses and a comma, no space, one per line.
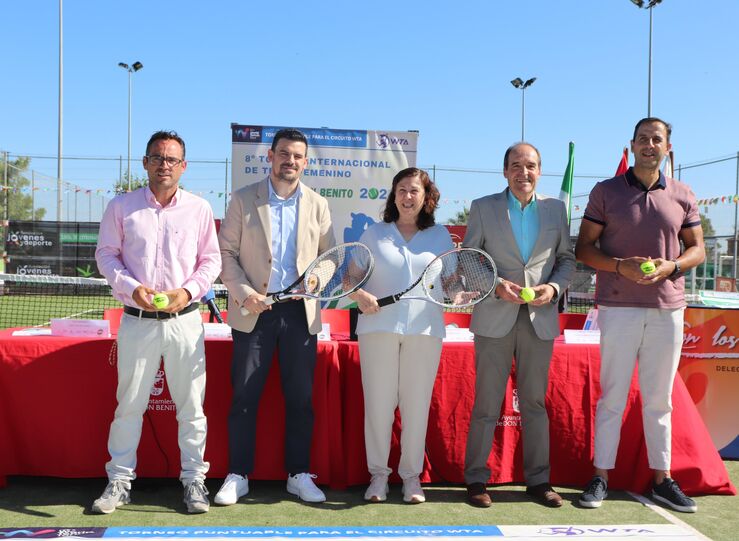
(136,66)
(520,84)
(649,6)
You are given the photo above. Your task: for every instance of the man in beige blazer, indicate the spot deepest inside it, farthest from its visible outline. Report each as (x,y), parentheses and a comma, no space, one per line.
(272,231)
(529,239)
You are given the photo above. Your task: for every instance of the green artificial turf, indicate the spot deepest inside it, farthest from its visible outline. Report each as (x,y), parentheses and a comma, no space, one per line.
(30,501)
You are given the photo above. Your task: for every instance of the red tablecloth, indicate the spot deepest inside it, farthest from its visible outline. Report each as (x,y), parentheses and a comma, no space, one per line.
(573,392)
(57,399)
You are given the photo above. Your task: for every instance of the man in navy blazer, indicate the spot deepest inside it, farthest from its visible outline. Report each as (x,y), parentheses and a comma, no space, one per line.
(528,236)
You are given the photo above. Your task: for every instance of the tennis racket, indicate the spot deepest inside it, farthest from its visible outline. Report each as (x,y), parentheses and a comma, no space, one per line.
(334,274)
(458,278)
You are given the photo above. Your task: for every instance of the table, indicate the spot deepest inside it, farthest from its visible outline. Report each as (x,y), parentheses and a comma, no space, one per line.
(573,391)
(57,398)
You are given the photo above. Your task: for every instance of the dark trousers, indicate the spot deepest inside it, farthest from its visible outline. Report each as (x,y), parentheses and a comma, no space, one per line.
(286,328)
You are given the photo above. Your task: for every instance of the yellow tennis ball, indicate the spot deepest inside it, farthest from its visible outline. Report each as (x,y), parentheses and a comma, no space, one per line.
(160,300)
(527,294)
(648,267)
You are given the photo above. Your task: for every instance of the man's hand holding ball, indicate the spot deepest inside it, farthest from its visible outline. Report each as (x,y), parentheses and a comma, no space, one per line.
(648,267)
(527,294)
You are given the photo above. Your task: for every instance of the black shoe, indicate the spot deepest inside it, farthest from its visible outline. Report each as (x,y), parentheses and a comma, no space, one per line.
(668,492)
(596,492)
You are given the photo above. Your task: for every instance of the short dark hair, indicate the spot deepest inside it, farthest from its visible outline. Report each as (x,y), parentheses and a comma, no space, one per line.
(290,134)
(649,120)
(516,145)
(163,135)
(425,218)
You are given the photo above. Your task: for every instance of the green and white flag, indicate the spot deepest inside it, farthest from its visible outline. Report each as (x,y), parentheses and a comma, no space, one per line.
(565,193)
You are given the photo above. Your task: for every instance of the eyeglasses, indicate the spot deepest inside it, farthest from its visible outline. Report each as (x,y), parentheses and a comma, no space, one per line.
(156,159)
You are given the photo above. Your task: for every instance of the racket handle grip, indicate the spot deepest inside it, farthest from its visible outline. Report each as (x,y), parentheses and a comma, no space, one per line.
(267,301)
(386,300)
(382,302)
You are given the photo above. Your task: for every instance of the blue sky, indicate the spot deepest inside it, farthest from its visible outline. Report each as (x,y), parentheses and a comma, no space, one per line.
(442,68)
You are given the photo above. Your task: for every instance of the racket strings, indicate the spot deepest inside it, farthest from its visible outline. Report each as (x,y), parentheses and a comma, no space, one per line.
(460,278)
(340,270)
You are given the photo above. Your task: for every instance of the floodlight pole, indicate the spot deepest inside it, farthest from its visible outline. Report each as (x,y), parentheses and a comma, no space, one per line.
(60,124)
(523,112)
(649,76)
(136,66)
(650,6)
(520,84)
(129,131)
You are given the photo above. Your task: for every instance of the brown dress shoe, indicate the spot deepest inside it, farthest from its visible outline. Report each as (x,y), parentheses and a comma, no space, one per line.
(477,495)
(545,494)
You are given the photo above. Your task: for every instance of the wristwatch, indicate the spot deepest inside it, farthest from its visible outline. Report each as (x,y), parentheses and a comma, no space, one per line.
(677,268)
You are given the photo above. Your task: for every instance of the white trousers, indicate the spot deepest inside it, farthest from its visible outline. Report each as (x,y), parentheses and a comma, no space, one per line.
(141,344)
(398,371)
(654,336)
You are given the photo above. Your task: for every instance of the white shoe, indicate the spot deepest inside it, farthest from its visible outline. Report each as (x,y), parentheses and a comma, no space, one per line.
(234,487)
(115,495)
(303,487)
(412,491)
(377,489)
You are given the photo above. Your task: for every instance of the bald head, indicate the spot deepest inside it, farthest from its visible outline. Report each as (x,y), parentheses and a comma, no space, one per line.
(514,147)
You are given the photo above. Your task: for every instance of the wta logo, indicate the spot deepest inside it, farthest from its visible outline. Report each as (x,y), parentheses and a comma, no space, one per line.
(384,140)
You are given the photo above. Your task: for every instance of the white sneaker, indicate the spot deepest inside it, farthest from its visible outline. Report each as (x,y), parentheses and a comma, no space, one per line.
(377,489)
(115,495)
(303,487)
(196,497)
(412,491)
(234,487)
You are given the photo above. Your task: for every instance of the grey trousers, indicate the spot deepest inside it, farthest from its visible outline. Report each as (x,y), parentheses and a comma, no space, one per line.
(493,359)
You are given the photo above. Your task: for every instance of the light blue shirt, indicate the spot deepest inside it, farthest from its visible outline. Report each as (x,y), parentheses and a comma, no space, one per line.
(525,224)
(283,215)
(398,263)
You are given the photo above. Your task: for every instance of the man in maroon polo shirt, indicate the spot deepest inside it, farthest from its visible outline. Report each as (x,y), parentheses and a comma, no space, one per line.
(639,216)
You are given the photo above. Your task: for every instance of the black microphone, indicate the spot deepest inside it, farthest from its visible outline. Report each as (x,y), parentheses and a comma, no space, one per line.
(209,299)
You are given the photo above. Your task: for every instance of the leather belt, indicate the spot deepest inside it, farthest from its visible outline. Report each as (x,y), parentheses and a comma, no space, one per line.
(158,315)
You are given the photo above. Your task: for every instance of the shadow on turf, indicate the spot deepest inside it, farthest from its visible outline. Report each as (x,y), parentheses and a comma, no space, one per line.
(503,494)
(165,495)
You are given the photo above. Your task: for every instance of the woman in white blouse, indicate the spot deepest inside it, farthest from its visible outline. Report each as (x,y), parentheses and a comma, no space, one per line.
(400,344)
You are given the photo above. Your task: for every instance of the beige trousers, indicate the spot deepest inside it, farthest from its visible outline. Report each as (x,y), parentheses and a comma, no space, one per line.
(141,345)
(654,336)
(398,371)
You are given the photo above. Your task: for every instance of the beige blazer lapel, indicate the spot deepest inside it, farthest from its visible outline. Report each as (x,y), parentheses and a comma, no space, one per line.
(304,212)
(262,205)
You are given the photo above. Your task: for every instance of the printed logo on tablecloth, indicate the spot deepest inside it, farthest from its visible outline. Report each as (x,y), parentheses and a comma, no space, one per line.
(158,387)
(511,413)
(160,404)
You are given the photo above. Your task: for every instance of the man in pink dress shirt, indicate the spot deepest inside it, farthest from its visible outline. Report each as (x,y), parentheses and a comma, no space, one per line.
(159,239)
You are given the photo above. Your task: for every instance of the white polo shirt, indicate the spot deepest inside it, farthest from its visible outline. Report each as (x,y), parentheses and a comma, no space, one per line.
(397,264)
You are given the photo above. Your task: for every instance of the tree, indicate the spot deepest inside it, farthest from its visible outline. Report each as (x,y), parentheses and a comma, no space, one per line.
(15,200)
(461,217)
(708,230)
(136,182)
